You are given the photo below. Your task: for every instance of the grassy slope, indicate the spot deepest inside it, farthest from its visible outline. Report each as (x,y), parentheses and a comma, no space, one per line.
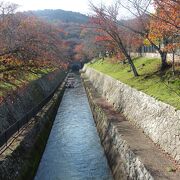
(22,78)
(164,87)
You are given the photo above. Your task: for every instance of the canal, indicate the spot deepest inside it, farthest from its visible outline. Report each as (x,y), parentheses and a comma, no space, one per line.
(73,150)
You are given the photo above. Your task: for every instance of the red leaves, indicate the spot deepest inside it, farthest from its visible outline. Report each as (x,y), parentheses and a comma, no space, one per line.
(102,38)
(1,99)
(29,38)
(79,50)
(165,24)
(167,12)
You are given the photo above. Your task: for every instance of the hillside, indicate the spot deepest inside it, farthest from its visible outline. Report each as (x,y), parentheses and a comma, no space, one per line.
(70,22)
(61,15)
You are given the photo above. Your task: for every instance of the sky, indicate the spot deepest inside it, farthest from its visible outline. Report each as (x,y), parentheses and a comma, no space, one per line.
(81,6)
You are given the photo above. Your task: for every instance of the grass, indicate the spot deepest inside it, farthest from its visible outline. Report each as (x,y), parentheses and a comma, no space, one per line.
(162,86)
(21,78)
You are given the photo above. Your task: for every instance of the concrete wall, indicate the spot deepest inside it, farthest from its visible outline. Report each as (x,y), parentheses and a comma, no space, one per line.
(157,55)
(19,103)
(20,161)
(161,122)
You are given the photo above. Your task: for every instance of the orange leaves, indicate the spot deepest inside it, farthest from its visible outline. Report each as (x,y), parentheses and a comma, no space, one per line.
(64,66)
(28,38)
(96,20)
(79,50)
(8,60)
(172,47)
(165,24)
(167,19)
(102,38)
(168,13)
(1,99)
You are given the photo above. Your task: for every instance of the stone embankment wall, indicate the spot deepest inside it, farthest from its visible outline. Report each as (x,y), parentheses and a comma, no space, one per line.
(20,102)
(123,162)
(21,159)
(161,122)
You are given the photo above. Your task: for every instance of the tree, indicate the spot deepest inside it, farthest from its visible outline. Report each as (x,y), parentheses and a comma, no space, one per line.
(165,25)
(107,44)
(105,19)
(29,41)
(147,24)
(89,46)
(79,52)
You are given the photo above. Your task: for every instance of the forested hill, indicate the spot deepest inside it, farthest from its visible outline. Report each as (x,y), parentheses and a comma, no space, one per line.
(70,22)
(61,15)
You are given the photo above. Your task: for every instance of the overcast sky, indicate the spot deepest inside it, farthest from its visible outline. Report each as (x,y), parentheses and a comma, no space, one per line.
(71,5)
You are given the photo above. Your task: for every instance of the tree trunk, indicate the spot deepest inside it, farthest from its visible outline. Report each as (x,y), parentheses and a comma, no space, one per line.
(130,62)
(132,66)
(115,36)
(173,64)
(164,63)
(123,49)
(163,54)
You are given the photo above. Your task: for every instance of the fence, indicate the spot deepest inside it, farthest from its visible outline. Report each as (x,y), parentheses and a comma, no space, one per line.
(7,134)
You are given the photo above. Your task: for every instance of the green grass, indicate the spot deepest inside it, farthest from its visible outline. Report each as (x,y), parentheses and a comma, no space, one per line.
(162,86)
(7,85)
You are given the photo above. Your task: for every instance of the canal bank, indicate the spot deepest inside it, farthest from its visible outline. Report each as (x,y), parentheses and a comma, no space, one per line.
(130,153)
(20,158)
(73,150)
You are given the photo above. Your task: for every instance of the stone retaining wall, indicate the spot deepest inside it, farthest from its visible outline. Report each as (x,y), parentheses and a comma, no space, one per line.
(16,105)
(20,161)
(161,122)
(123,162)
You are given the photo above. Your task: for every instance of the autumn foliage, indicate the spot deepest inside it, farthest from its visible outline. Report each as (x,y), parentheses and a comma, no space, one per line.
(159,29)
(28,41)
(165,24)
(28,47)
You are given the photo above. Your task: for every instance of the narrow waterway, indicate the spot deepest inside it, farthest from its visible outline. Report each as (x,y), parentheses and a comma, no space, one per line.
(73,150)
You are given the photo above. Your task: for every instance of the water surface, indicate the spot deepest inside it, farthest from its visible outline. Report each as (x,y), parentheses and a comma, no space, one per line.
(73,150)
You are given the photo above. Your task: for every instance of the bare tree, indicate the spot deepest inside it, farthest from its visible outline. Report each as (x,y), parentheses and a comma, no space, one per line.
(105,19)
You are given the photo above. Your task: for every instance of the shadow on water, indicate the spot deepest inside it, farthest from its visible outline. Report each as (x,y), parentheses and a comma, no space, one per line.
(73,150)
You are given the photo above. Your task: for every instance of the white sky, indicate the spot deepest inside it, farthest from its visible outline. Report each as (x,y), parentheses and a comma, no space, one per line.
(71,5)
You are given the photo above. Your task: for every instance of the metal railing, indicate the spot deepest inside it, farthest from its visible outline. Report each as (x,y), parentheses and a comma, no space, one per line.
(8,133)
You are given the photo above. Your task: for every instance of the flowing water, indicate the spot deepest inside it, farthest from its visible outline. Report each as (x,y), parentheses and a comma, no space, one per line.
(73,150)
